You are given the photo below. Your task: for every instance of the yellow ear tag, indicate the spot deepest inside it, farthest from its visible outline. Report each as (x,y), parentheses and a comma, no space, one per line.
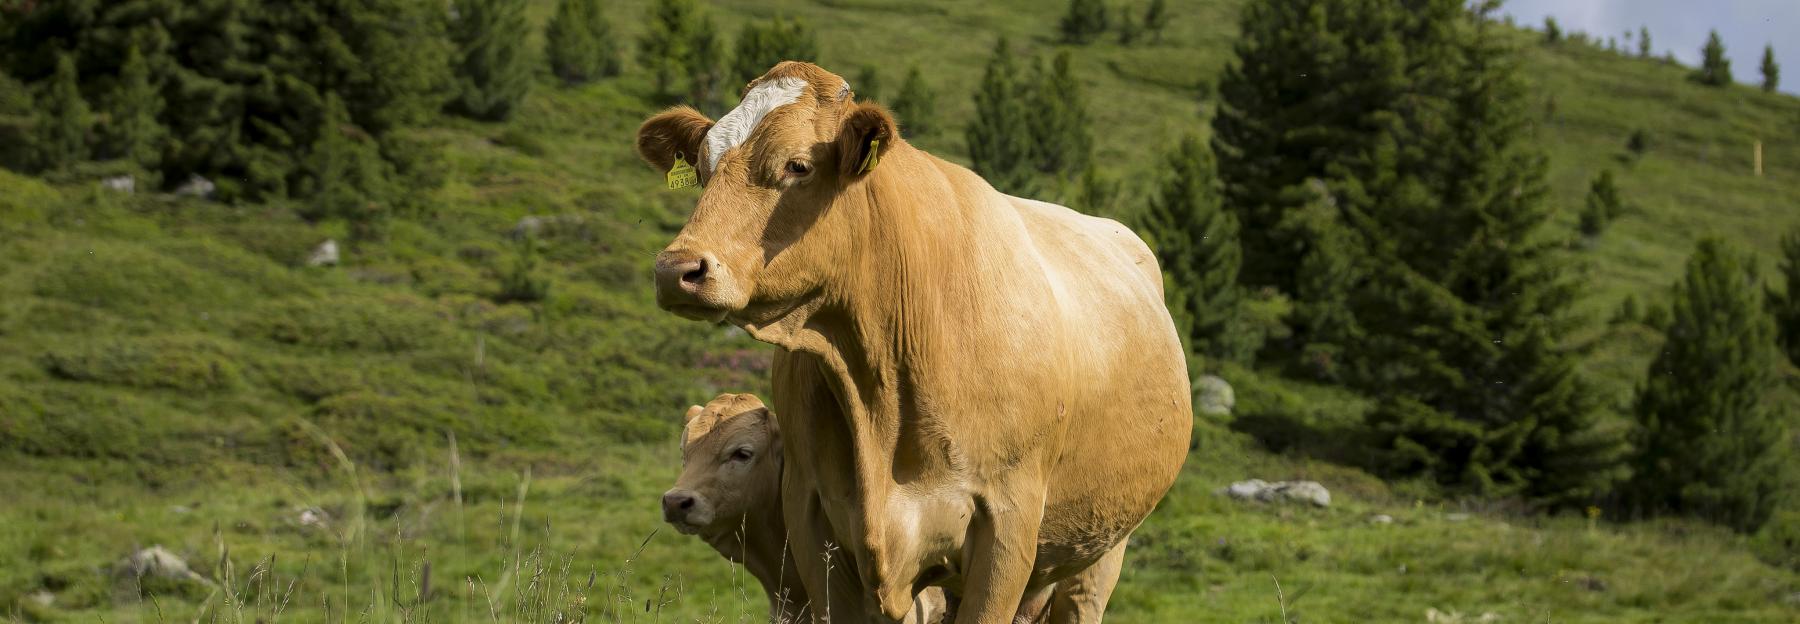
(874,157)
(682,175)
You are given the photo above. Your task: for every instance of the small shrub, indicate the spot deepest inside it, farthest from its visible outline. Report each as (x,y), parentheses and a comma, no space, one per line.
(521,283)
(192,363)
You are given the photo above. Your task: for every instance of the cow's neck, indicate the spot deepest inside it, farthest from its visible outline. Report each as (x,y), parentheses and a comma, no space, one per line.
(758,540)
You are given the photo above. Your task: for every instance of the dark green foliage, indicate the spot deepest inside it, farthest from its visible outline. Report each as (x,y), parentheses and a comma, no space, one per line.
(523,282)
(1000,137)
(491,70)
(1552,32)
(1156,18)
(18,125)
(681,50)
(1715,69)
(1771,70)
(132,130)
(1196,244)
(1085,21)
(868,83)
(1644,42)
(1710,442)
(1785,305)
(1129,29)
(347,178)
(1057,111)
(192,363)
(1638,142)
(1095,193)
(762,45)
(1628,312)
(915,107)
(580,43)
(63,133)
(1602,205)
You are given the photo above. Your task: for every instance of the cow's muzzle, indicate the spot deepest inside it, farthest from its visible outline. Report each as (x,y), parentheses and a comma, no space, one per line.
(688,284)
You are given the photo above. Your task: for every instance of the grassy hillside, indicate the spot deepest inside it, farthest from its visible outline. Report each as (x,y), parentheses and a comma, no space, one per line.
(172,373)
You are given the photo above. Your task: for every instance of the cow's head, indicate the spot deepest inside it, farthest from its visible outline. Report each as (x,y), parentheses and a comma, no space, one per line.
(772,168)
(730,464)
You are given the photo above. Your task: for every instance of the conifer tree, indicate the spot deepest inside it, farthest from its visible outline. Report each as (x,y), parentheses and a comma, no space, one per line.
(1785,305)
(1059,126)
(681,50)
(1602,204)
(1771,70)
(1095,192)
(761,46)
(1000,138)
(1085,21)
(18,125)
(916,105)
(1129,29)
(346,177)
(133,132)
(1195,240)
(579,42)
(1638,142)
(868,83)
(63,134)
(1715,69)
(1156,18)
(1644,42)
(491,67)
(1552,32)
(1710,444)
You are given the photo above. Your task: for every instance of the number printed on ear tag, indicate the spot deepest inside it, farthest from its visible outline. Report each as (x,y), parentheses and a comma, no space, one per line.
(682,175)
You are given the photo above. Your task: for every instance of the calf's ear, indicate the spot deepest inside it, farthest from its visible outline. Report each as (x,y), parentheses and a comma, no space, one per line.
(679,131)
(867,133)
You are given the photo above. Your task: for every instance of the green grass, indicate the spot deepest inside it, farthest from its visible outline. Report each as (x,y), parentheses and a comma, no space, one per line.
(171,373)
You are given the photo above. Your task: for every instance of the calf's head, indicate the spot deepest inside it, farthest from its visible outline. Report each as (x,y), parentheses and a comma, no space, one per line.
(730,465)
(761,236)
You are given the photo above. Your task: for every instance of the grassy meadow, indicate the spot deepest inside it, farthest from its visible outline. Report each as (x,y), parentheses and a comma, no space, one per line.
(393,439)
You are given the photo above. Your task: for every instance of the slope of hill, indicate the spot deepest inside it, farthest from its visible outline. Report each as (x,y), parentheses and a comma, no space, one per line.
(325,442)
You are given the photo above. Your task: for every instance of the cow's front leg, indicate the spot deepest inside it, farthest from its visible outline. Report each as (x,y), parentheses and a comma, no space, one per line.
(833,589)
(1082,598)
(998,557)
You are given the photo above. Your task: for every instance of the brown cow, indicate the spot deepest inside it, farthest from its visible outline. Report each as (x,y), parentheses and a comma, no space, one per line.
(976,391)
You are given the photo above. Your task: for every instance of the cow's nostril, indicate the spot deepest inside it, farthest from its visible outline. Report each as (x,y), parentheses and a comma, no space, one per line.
(687,503)
(697,274)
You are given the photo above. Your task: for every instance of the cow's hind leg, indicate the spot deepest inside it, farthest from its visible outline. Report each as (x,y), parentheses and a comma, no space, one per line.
(1082,598)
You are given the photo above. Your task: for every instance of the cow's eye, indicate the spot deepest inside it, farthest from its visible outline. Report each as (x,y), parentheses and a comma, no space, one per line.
(742,454)
(798,168)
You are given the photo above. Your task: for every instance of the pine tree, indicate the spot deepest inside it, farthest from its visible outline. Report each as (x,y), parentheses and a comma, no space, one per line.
(1129,29)
(1785,305)
(1085,21)
(868,83)
(1715,69)
(1771,71)
(760,46)
(1196,244)
(133,132)
(1552,32)
(681,50)
(1060,137)
(579,42)
(18,126)
(491,68)
(1095,192)
(916,105)
(1710,443)
(346,177)
(1644,42)
(1000,138)
(1602,205)
(63,134)
(1156,18)
(1638,143)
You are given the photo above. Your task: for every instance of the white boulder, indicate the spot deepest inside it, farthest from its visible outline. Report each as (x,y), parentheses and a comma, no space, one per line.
(1213,396)
(326,254)
(1310,492)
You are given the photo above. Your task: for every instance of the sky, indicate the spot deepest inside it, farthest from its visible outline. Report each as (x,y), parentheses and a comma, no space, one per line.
(1680,26)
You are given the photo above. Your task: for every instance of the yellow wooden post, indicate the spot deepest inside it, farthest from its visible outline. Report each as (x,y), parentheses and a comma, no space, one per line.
(1759,159)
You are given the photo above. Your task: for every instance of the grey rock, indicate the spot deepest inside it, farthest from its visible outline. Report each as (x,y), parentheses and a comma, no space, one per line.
(159,562)
(197,186)
(326,254)
(42,598)
(1381,519)
(1213,396)
(1457,517)
(1310,492)
(122,183)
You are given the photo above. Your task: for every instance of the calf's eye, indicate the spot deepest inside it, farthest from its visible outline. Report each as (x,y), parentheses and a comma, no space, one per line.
(798,168)
(742,454)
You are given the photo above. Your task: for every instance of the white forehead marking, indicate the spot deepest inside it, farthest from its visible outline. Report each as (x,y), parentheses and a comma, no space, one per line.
(734,128)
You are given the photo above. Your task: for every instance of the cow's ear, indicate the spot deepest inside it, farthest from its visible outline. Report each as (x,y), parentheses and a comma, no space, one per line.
(677,131)
(867,134)
(768,419)
(691,413)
